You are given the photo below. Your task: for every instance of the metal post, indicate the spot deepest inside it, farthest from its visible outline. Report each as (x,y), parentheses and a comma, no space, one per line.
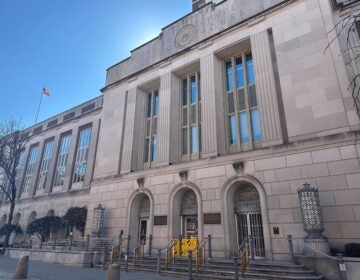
(252,251)
(158,261)
(54,244)
(70,242)
(342,267)
(180,244)
(128,244)
(209,247)
(87,242)
(236,267)
(190,265)
(150,244)
(103,257)
(30,244)
(291,248)
(40,246)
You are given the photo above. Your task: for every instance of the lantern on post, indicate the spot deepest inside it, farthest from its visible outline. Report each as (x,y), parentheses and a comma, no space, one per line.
(98,220)
(315,242)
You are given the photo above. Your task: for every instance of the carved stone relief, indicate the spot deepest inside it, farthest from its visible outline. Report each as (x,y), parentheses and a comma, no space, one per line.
(186,36)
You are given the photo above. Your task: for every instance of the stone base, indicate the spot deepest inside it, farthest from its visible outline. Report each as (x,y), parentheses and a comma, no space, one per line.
(316,247)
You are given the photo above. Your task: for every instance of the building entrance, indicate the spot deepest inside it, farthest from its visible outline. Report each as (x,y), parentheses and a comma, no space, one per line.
(248,218)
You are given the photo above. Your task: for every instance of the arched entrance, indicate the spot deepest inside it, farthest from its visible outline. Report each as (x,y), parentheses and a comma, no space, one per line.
(3,220)
(185,214)
(248,217)
(245,214)
(140,218)
(16,219)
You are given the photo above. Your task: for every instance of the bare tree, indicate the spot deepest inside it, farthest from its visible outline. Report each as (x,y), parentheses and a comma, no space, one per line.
(347,31)
(12,144)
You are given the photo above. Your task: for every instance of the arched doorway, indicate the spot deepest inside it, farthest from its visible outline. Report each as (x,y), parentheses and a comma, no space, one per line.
(140,218)
(50,213)
(245,213)
(16,219)
(3,220)
(186,217)
(248,217)
(32,217)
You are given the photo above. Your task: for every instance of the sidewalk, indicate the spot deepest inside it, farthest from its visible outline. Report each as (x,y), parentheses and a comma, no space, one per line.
(46,271)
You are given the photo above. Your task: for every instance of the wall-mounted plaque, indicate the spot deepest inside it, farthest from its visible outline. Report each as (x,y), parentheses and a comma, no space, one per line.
(212,219)
(160,220)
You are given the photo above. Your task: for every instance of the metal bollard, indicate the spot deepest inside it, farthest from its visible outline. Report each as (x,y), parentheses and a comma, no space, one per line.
(236,267)
(54,244)
(150,244)
(40,245)
(103,258)
(158,259)
(30,244)
(291,248)
(22,268)
(113,272)
(87,242)
(190,265)
(209,247)
(252,251)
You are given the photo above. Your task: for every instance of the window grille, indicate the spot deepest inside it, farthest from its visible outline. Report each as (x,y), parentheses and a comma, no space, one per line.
(152,113)
(45,163)
(30,168)
(62,160)
(82,155)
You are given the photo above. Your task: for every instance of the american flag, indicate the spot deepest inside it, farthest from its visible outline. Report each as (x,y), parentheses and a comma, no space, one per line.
(46,92)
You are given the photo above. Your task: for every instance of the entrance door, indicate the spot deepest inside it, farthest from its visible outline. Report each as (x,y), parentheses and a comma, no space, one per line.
(190,226)
(142,230)
(251,224)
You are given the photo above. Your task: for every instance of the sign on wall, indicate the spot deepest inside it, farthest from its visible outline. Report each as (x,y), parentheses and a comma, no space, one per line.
(212,218)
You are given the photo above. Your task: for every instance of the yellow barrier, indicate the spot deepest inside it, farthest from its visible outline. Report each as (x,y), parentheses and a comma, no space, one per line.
(187,244)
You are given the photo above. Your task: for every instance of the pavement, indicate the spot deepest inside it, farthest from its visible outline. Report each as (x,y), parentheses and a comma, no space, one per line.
(47,271)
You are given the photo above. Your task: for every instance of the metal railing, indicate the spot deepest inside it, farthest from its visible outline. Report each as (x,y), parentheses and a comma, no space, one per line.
(117,251)
(138,252)
(169,251)
(200,258)
(243,253)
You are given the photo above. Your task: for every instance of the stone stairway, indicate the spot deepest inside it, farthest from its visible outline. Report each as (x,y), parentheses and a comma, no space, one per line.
(224,269)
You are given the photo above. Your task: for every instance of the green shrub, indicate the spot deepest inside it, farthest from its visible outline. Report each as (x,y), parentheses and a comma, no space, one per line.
(352,250)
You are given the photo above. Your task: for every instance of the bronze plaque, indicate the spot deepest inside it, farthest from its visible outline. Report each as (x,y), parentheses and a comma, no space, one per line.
(212,219)
(160,220)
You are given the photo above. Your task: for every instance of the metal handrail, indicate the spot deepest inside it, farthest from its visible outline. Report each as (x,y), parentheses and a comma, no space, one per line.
(200,254)
(169,253)
(243,253)
(138,252)
(117,251)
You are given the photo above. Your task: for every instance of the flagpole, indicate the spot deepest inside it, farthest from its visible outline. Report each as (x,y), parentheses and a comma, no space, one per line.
(37,115)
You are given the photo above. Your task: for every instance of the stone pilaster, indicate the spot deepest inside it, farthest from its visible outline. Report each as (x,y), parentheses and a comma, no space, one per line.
(267,90)
(212,111)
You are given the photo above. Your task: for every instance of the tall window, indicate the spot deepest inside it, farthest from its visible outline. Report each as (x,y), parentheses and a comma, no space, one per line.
(45,162)
(152,113)
(82,155)
(242,108)
(30,168)
(62,160)
(191,116)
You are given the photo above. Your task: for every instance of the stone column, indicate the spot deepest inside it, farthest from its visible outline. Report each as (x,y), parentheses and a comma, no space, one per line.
(52,165)
(169,130)
(71,159)
(133,145)
(212,111)
(267,89)
(92,152)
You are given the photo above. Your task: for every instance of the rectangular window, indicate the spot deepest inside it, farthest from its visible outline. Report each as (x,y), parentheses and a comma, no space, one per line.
(191,115)
(242,109)
(82,153)
(62,160)
(45,163)
(152,105)
(30,168)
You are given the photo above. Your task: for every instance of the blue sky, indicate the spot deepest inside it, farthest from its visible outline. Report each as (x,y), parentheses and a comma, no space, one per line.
(67,46)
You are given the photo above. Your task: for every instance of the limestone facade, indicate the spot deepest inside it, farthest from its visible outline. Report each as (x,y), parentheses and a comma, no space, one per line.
(309,132)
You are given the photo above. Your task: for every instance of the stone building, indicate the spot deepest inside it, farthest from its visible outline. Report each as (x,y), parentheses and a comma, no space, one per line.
(210,129)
